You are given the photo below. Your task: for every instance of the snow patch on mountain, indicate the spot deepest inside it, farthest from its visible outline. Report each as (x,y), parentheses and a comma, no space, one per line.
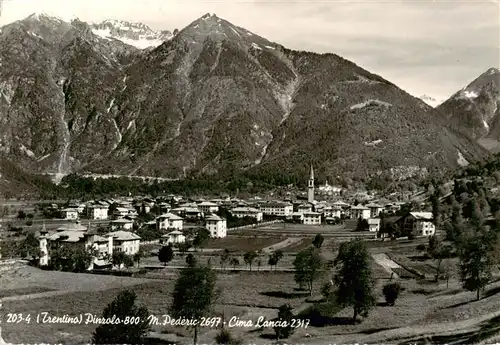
(486,125)
(433,102)
(137,35)
(372,143)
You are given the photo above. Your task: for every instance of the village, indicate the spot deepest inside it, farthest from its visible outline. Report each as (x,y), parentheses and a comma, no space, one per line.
(115,225)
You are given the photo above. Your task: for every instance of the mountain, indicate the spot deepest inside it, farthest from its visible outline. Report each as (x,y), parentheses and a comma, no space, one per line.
(135,34)
(475,110)
(430,100)
(214,99)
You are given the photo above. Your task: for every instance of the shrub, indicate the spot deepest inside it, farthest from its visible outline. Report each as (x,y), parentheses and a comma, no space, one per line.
(224,337)
(391,292)
(421,247)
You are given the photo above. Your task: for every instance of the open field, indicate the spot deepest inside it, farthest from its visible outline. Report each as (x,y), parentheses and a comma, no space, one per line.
(423,309)
(425,313)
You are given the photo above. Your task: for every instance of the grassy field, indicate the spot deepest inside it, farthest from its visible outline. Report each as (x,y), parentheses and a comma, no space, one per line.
(243,244)
(425,310)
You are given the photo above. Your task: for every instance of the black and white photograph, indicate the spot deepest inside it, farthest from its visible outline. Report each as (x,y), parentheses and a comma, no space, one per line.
(249,172)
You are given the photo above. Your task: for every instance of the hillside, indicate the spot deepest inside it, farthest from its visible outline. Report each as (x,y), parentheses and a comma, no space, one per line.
(475,110)
(214,99)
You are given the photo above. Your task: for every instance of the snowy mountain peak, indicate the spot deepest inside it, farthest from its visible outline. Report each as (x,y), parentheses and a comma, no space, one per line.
(430,100)
(43,16)
(135,34)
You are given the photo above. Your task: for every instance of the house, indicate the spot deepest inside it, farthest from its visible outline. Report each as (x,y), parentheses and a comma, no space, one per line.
(312,218)
(120,212)
(208,207)
(125,241)
(306,207)
(97,212)
(279,209)
(188,212)
(169,221)
(69,213)
(332,211)
(418,223)
(360,211)
(72,227)
(373,224)
(216,225)
(103,246)
(241,212)
(329,190)
(122,224)
(174,237)
(375,210)
(297,217)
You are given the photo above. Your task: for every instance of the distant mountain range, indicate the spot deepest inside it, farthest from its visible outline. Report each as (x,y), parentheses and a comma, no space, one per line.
(213,99)
(475,109)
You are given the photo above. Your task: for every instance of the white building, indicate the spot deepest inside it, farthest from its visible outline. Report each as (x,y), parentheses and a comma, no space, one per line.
(242,212)
(418,223)
(122,224)
(332,211)
(174,237)
(279,209)
(103,246)
(98,212)
(169,221)
(307,207)
(69,213)
(208,207)
(374,224)
(125,241)
(360,211)
(312,218)
(329,190)
(375,210)
(217,226)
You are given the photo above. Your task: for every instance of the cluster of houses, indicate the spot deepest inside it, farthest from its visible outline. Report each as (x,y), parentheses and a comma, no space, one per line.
(173,214)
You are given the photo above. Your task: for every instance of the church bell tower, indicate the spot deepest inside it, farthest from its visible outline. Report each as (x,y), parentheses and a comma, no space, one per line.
(310,186)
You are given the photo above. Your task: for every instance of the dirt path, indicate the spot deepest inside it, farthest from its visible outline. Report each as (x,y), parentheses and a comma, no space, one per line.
(283,244)
(388,264)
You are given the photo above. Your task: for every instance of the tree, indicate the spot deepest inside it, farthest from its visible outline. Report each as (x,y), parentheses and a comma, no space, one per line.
(194,295)
(285,314)
(30,247)
(308,264)
(118,259)
(191,260)
(362,225)
(436,208)
(224,258)
(438,252)
(275,258)
(123,307)
(165,254)
(224,337)
(138,256)
(354,278)
(202,237)
(475,264)
(234,262)
(82,259)
(318,241)
(259,263)
(273,261)
(249,257)
(21,214)
(391,292)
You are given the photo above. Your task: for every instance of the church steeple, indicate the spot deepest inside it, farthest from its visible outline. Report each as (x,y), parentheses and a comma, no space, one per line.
(310,186)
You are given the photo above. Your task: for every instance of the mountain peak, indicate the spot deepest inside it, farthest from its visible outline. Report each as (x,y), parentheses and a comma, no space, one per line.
(43,16)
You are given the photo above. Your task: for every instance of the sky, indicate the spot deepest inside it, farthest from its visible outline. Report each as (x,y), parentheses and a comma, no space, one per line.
(432,47)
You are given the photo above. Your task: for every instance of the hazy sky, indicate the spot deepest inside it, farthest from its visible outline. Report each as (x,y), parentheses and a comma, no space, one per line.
(425,47)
